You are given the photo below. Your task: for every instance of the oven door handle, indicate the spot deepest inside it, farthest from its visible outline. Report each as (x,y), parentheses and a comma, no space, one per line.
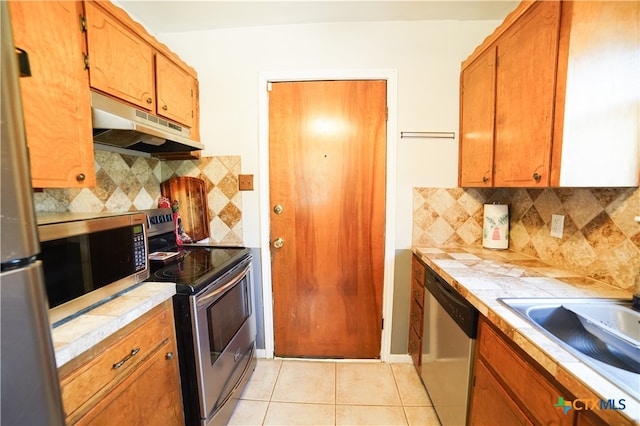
(218,291)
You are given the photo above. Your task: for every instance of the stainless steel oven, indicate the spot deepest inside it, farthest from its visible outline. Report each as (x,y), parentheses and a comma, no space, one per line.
(215,320)
(225,341)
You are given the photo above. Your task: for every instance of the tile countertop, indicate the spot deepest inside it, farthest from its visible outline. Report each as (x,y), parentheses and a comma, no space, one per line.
(74,335)
(482,276)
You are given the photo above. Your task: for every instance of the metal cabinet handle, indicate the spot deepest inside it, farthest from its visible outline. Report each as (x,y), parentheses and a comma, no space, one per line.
(278,243)
(169,355)
(164,107)
(126,358)
(485,179)
(277,209)
(149,100)
(81,177)
(537,177)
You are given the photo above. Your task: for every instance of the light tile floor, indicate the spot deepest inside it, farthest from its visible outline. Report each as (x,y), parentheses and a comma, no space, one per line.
(301,392)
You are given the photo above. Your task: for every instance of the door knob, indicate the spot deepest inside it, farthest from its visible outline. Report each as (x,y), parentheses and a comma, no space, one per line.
(278,243)
(277,209)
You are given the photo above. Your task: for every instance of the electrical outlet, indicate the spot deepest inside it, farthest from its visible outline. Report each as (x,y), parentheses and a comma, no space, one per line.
(245,182)
(557,225)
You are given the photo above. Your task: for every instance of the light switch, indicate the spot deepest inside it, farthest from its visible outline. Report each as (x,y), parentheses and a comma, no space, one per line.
(245,182)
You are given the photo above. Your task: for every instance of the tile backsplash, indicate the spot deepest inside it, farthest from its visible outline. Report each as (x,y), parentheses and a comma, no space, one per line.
(127,183)
(601,237)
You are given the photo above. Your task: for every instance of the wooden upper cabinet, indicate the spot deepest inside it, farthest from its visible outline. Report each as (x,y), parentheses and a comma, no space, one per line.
(175,91)
(597,121)
(477,93)
(567,98)
(120,62)
(195,129)
(55,99)
(129,64)
(525,82)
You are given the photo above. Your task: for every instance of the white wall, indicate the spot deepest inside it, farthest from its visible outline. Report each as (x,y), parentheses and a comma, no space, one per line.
(426,55)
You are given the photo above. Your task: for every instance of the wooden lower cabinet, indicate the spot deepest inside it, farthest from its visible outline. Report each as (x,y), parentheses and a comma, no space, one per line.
(510,388)
(132,378)
(488,395)
(416,313)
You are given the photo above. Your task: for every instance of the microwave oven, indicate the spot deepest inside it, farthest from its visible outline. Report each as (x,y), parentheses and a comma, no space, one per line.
(88,259)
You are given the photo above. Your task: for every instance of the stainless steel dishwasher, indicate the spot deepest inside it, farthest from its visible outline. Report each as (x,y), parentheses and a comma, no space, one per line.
(448,344)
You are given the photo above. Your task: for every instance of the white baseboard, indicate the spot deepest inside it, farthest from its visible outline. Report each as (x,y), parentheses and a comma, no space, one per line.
(400,359)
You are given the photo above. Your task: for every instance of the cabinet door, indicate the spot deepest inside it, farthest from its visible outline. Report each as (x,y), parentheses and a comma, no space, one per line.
(175,91)
(477,109)
(55,99)
(120,62)
(149,396)
(195,128)
(490,403)
(527,54)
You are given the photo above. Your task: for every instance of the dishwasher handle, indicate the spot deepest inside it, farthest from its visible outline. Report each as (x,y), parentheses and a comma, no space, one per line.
(454,304)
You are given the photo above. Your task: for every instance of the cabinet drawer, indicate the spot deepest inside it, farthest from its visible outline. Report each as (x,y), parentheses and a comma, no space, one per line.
(417,292)
(415,348)
(416,317)
(157,381)
(522,379)
(417,270)
(113,361)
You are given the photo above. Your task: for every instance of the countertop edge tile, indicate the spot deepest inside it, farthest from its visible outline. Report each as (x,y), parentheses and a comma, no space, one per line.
(155,293)
(579,378)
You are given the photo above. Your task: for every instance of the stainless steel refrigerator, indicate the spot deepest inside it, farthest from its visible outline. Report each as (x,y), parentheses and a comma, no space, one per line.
(30,390)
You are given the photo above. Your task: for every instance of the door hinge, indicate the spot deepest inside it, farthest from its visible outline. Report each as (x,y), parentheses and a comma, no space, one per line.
(382,327)
(83,23)
(269,86)
(86,61)
(387,114)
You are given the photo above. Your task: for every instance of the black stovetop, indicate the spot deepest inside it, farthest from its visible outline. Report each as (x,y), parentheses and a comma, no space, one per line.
(196,267)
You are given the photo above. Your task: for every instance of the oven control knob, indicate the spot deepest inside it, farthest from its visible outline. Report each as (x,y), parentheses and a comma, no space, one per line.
(278,243)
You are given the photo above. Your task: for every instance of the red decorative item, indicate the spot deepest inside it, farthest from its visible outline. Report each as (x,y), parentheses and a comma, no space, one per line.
(181,236)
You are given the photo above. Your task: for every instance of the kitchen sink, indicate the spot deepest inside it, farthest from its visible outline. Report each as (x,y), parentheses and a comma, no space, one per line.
(603,333)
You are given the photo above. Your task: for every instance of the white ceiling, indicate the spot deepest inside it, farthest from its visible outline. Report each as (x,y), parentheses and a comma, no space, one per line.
(160,16)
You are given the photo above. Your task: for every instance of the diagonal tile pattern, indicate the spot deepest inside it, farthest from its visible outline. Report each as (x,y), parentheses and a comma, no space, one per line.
(293,392)
(126,183)
(600,236)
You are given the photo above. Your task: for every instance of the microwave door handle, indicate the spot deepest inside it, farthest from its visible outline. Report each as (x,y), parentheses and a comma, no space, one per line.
(205,298)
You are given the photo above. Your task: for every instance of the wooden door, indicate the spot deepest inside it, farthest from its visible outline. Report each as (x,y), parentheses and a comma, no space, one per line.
(527,55)
(327,162)
(120,62)
(55,99)
(477,112)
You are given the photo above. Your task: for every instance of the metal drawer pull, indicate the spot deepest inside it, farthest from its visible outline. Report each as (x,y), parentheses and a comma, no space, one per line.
(126,358)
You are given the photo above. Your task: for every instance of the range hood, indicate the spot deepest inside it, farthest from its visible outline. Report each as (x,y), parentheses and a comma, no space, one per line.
(119,125)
